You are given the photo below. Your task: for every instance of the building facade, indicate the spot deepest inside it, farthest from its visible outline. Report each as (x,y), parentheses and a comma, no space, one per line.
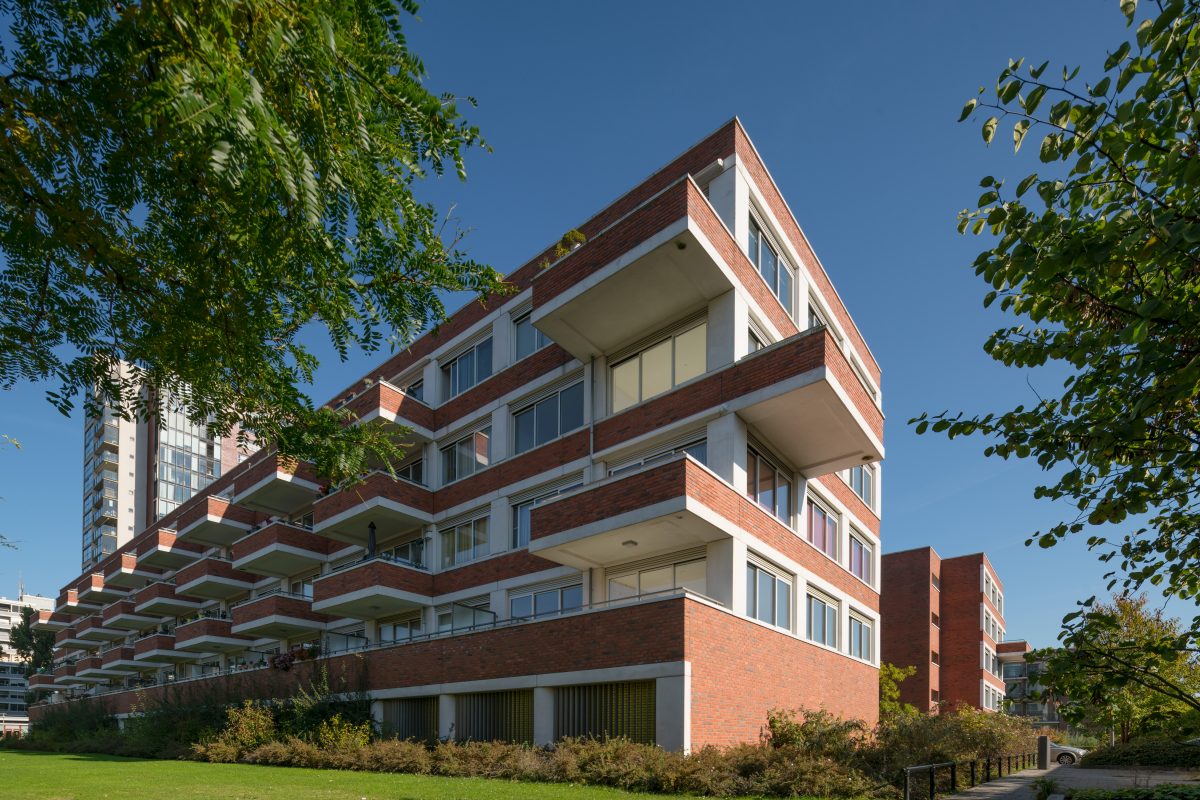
(642,498)
(14,715)
(944,618)
(1022,692)
(136,471)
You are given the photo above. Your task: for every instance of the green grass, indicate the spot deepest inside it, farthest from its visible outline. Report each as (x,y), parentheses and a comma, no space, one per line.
(46,776)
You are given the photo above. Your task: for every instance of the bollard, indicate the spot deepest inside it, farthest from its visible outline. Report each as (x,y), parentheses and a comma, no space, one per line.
(972,773)
(1043,752)
(933,783)
(954,777)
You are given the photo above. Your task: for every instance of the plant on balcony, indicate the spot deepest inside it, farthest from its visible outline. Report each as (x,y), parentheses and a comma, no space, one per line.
(571,240)
(282,661)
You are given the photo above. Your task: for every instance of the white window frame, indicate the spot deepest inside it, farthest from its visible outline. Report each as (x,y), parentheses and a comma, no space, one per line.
(453,447)
(449,556)
(869,627)
(831,604)
(540,339)
(755,566)
(530,406)
(447,370)
(672,337)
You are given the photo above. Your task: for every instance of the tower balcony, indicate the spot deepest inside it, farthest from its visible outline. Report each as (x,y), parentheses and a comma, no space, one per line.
(161,600)
(94,589)
(275,485)
(280,615)
(384,402)
(69,603)
(66,639)
(393,504)
(123,615)
(213,578)
(214,522)
(279,550)
(64,677)
(209,634)
(127,574)
(158,649)
(92,629)
(91,670)
(163,550)
(51,621)
(119,661)
(42,682)
(373,588)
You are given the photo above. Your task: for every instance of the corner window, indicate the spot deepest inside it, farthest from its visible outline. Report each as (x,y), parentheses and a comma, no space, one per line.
(467,369)
(755,342)
(935,580)
(768,486)
(659,367)
(545,603)
(416,390)
(529,339)
(775,271)
(768,596)
(823,529)
(467,456)
(862,558)
(522,515)
(549,418)
(414,472)
(934,657)
(465,542)
(815,318)
(697,450)
(862,481)
(689,575)
(302,586)
(861,638)
(822,620)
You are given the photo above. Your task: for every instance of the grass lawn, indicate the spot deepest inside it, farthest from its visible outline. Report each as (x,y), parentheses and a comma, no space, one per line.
(46,776)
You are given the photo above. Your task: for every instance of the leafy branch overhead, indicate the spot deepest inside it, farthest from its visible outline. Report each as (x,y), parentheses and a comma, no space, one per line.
(190,187)
(1097,255)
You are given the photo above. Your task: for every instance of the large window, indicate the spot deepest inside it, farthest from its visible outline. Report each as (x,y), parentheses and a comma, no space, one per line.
(467,369)
(412,551)
(522,514)
(659,367)
(529,339)
(688,575)
(822,620)
(549,418)
(823,529)
(400,630)
(768,486)
(546,602)
(302,586)
(768,596)
(467,456)
(862,558)
(779,276)
(465,542)
(413,471)
(697,450)
(862,481)
(861,638)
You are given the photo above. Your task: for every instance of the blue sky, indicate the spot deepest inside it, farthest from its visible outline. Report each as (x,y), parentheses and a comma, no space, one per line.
(853,108)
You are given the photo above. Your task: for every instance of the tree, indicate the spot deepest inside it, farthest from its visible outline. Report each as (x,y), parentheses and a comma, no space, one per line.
(890,678)
(1122,667)
(1099,259)
(189,187)
(35,648)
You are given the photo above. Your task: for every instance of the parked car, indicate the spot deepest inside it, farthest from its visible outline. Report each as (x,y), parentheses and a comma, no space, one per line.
(1065,754)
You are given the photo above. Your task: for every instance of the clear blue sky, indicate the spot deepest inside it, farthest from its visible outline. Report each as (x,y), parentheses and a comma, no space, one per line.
(853,107)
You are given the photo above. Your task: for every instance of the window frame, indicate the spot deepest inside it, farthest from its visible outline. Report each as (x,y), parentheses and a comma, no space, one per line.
(452,458)
(538,336)
(782,477)
(830,606)
(449,556)
(674,381)
(515,541)
(533,594)
(531,408)
(754,249)
(868,556)
(865,634)
(448,372)
(675,585)
(814,503)
(865,488)
(755,570)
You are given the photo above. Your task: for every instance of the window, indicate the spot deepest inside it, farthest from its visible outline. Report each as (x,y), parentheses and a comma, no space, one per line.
(522,513)
(549,601)
(467,456)
(779,277)
(862,481)
(465,542)
(934,619)
(416,390)
(302,586)
(815,317)
(529,339)
(413,552)
(414,472)
(935,695)
(755,342)
(768,596)
(862,558)
(549,418)
(697,450)
(400,630)
(935,657)
(659,367)
(861,638)
(468,614)
(822,621)
(467,369)
(768,486)
(690,575)
(935,580)
(822,529)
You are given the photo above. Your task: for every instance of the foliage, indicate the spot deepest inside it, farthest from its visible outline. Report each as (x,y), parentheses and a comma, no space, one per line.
(961,734)
(569,241)
(817,732)
(187,188)
(1121,668)
(1163,791)
(1044,787)
(35,648)
(1098,258)
(890,678)
(246,727)
(336,733)
(1148,752)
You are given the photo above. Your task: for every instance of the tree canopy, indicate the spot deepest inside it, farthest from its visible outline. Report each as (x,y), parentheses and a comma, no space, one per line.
(188,187)
(1098,258)
(35,648)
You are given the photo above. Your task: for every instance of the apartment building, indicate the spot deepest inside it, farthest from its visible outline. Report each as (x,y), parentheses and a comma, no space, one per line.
(944,618)
(1022,692)
(136,471)
(642,498)
(14,716)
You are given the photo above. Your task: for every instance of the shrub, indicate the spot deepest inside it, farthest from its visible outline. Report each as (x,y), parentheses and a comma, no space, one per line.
(394,755)
(1145,753)
(817,732)
(1044,787)
(336,733)
(1164,791)
(246,727)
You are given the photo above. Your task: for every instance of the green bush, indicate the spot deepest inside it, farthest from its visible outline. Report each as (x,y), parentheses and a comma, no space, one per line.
(1145,753)
(336,733)
(1164,791)
(246,727)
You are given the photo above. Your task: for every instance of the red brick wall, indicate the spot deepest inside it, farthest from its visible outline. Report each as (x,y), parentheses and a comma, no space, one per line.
(277,604)
(205,627)
(741,670)
(211,567)
(835,486)
(556,453)
(373,573)
(376,485)
(906,601)
(482,573)
(281,533)
(962,631)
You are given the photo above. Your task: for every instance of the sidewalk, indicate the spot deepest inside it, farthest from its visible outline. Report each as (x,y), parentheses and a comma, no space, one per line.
(1018,785)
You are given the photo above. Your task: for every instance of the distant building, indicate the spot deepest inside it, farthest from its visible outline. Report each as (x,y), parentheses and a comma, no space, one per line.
(945,618)
(1021,684)
(13,714)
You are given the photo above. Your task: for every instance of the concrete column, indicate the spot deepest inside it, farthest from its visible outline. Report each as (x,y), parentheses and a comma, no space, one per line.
(741,208)
(371,631)
(722,193)
(500,428)
(445,716)
(432,378)
(499,525)
(719,571)
(498,603)
(543,716)
(599,384)
(727,329)
(377,714)
(503,348)
(737,602)
(672,713)
(727,440)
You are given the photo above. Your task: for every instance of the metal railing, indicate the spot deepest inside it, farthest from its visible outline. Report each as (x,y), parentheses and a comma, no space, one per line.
(979,771)
(388,557)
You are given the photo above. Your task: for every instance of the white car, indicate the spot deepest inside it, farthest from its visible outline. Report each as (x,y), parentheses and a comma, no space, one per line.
(1065,754)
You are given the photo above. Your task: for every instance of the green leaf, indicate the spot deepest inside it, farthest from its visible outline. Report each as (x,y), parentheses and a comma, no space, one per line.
(989,129)
(1019,131)
(1129,8)
(967,109)
(1024,185)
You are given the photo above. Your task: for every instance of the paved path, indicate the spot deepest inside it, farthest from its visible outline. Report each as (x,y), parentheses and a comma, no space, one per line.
(1017,785)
